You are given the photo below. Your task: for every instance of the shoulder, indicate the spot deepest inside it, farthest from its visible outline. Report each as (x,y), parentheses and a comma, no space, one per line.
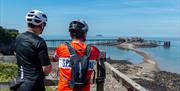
(62,46)
(41,41)
(94,49)
(62,51)
(94,53)
(21,35)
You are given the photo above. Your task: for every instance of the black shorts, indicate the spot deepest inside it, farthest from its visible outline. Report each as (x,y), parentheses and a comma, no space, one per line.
(29,85)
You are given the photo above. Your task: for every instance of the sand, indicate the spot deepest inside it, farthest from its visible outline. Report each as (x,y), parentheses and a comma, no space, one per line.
(144,69)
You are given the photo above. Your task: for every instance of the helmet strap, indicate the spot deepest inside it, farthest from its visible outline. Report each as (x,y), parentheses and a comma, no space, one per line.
(42,28)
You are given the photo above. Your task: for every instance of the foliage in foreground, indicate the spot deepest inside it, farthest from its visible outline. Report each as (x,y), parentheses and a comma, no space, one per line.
(7,89)
(8,71)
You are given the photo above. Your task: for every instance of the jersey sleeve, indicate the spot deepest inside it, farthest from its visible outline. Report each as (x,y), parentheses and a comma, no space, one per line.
(62,51)
(43,54)
(94,53)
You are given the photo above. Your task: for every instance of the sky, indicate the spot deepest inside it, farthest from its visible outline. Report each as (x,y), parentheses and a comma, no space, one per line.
(145,18)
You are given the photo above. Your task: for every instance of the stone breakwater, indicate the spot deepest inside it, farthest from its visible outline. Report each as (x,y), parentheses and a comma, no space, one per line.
(148,65)
(147,73)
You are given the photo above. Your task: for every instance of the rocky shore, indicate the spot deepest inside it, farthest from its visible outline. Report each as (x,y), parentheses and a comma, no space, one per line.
(153,81)
(147,73)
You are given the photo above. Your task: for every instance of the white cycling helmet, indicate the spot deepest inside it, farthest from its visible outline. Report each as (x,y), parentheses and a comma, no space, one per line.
(36,17)
(78,26)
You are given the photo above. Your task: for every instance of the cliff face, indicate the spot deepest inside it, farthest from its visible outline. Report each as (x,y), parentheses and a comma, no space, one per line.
(7,40)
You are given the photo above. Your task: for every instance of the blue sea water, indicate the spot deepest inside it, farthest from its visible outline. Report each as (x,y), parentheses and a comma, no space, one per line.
(168,59)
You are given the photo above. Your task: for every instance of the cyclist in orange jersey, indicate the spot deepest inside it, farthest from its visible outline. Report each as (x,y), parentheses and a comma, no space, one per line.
(78,30)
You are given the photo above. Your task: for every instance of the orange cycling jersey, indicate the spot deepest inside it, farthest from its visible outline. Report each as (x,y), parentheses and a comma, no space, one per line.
(63,55)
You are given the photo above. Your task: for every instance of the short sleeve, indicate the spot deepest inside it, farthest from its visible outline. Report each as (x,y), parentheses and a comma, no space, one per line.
(43,54)
(94,53)
(62,51)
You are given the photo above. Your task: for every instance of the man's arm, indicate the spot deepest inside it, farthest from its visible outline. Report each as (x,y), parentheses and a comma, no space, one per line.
(44,58)
(47,69)
(55,58)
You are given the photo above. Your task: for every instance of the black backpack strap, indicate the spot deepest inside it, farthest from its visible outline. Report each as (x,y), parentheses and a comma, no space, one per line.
(94,76)
(88,50)
(71,50)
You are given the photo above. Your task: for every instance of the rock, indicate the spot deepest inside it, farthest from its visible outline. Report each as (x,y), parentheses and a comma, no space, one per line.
(152,80)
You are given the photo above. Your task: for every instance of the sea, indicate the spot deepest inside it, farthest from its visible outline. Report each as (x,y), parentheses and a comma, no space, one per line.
(168,59)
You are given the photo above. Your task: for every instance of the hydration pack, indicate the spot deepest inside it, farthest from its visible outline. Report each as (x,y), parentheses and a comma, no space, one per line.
(79,67)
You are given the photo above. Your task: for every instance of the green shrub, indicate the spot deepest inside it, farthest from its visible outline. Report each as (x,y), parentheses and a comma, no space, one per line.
(8,71)
(47,89)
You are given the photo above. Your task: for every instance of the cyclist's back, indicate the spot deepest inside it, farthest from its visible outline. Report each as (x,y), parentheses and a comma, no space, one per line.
(28,46)
(32,55)
(78,30)
(62,52)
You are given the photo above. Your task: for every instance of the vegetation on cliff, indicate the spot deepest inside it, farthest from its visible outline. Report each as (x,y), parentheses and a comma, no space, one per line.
(7,38)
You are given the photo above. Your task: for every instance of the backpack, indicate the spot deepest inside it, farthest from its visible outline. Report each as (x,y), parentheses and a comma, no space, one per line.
(79,67)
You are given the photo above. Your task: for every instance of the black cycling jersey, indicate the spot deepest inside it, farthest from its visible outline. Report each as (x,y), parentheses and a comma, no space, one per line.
(31,54)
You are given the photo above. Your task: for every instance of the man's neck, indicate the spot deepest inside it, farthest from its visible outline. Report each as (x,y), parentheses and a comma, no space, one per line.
(32,30)
(78,40)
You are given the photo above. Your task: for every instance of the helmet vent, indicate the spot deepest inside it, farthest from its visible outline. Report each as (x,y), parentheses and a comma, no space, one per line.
(44,16)
(31,12)
(37,17)
(30,15)
(37,21)
(29,19)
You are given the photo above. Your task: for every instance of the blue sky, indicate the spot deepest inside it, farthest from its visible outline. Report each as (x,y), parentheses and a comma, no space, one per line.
(150,18)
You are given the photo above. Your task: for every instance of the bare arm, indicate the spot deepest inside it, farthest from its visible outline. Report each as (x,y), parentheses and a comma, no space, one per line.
(47,69)
(44,58)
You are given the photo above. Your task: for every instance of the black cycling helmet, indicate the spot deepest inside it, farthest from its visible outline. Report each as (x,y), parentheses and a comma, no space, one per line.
(78,26)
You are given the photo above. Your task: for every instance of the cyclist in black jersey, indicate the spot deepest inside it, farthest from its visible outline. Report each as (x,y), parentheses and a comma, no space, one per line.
(32,55)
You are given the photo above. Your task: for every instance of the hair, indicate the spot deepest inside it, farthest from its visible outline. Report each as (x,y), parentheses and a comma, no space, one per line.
(77,35)
(32,25)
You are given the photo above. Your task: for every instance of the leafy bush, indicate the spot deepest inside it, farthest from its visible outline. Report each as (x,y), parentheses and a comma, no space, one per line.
(8,71)
(47,89)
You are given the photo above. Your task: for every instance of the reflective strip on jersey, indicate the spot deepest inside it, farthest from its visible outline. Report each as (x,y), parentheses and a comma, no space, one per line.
(22,72)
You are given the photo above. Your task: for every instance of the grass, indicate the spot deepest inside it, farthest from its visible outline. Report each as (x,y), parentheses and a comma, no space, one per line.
(7,89)
(4,89)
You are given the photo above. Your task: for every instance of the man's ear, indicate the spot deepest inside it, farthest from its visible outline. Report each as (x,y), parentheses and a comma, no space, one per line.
(42,25)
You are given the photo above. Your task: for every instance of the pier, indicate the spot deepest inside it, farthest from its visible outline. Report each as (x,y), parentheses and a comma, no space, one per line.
(52,43)
(166,44)
(141,42)
(56,42)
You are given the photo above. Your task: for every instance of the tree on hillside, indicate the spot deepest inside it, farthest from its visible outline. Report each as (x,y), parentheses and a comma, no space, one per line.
(7,38)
